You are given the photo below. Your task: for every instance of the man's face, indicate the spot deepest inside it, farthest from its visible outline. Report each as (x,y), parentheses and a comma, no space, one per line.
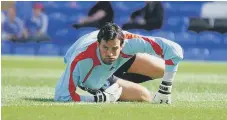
(11,13)
(37,11)
(109,51)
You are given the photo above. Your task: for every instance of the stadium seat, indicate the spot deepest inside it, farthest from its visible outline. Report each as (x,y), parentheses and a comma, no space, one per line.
(209,37)
(82,31)
(164,34)
(175,8)
(25,48)
(57,16)
(140,32)
(218,54)
(64,49)
(123,7)
(186,37)
(220,25)
(202,46)
(7,47)
(196,54)
(225,38)
(50,4)
(85,5)
(199,24)
(47,49)
(121,20)
(176,24)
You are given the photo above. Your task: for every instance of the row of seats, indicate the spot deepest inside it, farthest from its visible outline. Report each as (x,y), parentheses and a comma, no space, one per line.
(205,37)
(175,24)
(171,8)
(202,24)
(50,49)
(62,14)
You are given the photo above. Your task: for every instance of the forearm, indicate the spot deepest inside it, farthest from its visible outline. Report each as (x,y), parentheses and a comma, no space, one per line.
(97,16)
(86,98)
(44,26)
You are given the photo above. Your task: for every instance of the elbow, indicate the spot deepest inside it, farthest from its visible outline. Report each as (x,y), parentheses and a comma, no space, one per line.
(180,52)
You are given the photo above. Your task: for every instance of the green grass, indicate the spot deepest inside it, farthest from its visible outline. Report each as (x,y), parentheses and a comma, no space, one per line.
(28,83)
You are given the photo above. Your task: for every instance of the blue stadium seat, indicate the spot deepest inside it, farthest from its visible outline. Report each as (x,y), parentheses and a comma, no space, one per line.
(50,4)
(225,38)
(25,48)
(176,24)
(64,49)
(57,16)
(128,7)
(140,32)
(196,54)
(82,31)
(47,49)
(209,37)
(183,9)
(186,37)
(218,54)
(121,20)
(165,34)
(85,5)
(61,34)
(7,47)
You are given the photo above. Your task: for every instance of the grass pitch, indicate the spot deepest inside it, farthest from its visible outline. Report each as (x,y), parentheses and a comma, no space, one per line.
(199,93)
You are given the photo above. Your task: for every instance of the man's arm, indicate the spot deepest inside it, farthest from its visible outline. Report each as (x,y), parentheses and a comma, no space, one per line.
(95,17)
(45,24)
(67,86)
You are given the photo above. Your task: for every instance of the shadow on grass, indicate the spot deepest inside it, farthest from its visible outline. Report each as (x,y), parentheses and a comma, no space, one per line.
(40,99)
(52,100)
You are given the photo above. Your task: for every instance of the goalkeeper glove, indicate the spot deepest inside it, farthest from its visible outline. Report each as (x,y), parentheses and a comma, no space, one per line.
(111,94)
(163,96)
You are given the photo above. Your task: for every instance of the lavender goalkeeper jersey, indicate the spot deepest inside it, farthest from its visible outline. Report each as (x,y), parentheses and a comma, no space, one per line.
(85,68)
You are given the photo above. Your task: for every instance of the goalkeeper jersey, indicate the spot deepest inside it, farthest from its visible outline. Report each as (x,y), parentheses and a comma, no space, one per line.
(84,67)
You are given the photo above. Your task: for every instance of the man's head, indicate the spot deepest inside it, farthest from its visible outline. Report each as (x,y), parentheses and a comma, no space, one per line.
(110,40)
(37,9)
(11,13)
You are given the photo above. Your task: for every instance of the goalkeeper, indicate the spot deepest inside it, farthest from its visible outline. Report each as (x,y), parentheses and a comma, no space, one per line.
(100,62)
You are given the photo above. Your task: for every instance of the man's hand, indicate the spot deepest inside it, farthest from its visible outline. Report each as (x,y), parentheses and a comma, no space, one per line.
(163,96)
(111,94)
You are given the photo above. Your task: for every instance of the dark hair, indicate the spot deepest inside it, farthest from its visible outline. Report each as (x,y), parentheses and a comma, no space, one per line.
(109,32)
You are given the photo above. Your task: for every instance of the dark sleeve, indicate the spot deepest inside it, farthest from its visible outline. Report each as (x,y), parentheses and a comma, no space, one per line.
(106,6)
(93,9)
(136,13)
(102,5)
(155,11)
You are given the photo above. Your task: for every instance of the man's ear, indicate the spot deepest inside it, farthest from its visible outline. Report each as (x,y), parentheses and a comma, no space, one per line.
(98,44)
(122,46)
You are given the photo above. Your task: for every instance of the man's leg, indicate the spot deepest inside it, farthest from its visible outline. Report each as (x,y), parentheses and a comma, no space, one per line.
(148,65)
(133,92)
(141,68)
(130,91)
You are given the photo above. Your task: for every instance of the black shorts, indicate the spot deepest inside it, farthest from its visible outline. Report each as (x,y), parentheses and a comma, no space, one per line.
(122,73)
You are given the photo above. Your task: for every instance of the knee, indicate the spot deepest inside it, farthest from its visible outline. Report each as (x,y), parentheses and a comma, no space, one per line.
(145,95)
(180,52)
(160,73)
